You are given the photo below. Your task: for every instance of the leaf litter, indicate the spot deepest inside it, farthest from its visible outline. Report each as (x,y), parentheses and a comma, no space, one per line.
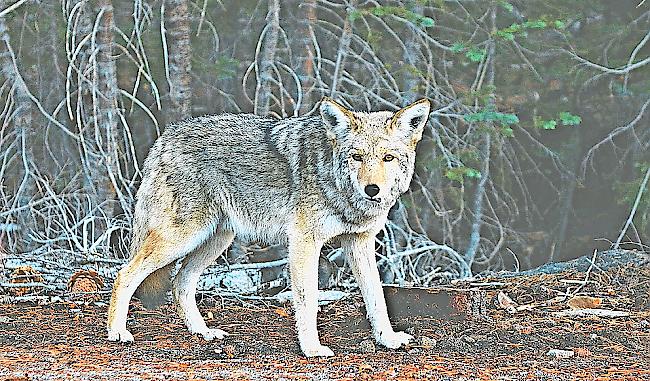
(66,339)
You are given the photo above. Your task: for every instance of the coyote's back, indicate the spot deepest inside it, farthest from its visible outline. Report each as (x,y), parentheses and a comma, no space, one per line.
(222,167)
(300,181)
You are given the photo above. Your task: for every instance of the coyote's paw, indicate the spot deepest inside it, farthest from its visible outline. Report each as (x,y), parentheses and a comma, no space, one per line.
(214,333)
(317,351)
(123,336)
(394,340)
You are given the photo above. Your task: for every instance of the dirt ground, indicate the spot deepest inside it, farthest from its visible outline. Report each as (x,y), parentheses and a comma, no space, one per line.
(66,340)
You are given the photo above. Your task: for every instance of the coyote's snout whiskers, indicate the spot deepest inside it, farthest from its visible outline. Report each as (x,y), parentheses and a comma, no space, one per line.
(301,181)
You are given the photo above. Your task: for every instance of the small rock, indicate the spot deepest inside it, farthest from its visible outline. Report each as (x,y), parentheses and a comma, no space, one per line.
(582,302)
(208,302)
(469,339)
(523,329)
(426,342)
(4,319)
(506,303)
(367,346)
(560,353)
(414,351)
(230,350)
(411,331)
(455,343)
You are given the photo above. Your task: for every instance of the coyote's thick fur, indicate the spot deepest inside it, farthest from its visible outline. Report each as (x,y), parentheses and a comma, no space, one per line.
(303,181)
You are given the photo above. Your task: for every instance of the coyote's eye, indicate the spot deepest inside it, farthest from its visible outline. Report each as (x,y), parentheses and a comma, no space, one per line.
(389,157)
(357,157)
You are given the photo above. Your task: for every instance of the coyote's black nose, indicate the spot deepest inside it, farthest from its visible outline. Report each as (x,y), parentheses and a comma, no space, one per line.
(371,190)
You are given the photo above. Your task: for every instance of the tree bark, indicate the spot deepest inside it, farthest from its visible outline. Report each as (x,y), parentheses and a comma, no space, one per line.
(566,197)
(96,110)
(24,126)
(306,20)
(344,46)
(265,72)
(410,58)
(177,26)
(107,117)
(477,206)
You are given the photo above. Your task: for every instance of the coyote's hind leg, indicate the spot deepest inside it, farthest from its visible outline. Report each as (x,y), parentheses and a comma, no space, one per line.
(184,284)
(157,251)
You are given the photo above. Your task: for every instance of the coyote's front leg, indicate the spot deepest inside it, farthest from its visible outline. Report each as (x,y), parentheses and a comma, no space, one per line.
(360,249)
(303,265)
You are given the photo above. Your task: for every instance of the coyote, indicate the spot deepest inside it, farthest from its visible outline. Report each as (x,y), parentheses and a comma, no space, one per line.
(303,181)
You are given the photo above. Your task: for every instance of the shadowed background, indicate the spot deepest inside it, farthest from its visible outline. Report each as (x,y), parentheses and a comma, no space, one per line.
(536,151)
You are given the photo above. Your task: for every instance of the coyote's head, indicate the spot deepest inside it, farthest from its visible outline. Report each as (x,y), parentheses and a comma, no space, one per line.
(374,152)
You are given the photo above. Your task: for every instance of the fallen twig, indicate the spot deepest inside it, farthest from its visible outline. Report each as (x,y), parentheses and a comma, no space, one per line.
(28,284)
(582,312)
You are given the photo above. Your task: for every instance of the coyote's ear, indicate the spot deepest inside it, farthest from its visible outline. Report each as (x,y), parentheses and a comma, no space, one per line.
(337,118)
(408,123)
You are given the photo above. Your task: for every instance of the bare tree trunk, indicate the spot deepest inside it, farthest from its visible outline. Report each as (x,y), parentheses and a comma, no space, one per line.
(567,197)
(107,117)
(265,72)
(306,20)
(24,126)
(411,58)
(79,76)
(409,94)
(96,111)
(344,46)
(49,66)
(177,26)
(477,207)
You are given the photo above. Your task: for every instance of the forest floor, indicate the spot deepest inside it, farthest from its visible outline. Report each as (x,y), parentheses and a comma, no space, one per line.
(66,340)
